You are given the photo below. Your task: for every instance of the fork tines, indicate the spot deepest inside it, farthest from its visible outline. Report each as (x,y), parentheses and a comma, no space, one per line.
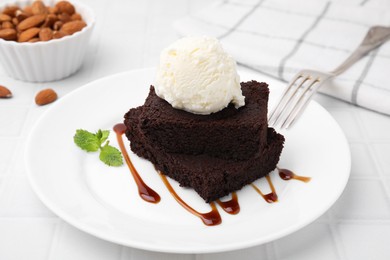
(294,100)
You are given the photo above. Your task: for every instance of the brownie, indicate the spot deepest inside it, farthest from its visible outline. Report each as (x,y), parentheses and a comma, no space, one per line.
(211,177)
(229,134)
(211,174)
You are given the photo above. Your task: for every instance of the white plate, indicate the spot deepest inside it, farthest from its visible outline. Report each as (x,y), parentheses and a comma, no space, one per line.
(104,201)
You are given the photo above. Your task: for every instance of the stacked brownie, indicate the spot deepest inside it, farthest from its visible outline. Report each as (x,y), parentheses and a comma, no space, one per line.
(214,154)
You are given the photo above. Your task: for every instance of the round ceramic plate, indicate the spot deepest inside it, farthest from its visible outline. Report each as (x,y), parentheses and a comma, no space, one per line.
(104,201)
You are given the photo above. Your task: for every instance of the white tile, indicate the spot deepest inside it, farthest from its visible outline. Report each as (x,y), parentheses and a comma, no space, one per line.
(18,199)
(312,242)
(376,125)
(323,218)
(34,113)
(347,120)
(136,254)
(362,163)
(7,149)
(365,241)
(12,119)
(25,239)
(362,199)
(258,252)
(387,184)
(17,165)
(238,2)
(97,6)
(382,152)
(196,6)
(22,94)
(164,9)
(74,244)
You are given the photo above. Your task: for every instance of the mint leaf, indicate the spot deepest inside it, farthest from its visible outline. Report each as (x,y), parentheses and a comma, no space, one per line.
(102,135)
(86,140)
(110,155)
(93,142)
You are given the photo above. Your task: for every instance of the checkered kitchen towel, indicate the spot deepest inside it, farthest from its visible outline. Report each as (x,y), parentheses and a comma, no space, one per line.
(280,37)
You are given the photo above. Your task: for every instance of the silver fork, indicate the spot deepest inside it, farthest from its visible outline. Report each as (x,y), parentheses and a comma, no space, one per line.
(305,83)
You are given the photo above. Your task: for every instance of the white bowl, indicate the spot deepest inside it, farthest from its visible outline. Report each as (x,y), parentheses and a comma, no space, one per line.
(51,60)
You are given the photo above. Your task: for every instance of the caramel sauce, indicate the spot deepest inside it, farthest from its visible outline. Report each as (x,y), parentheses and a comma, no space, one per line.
(145,192)
(270,197)
(230,206)
(289,175)
(211,218)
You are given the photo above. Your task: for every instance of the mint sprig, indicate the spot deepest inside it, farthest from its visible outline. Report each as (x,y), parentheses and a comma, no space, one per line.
(90,142)
(110,155)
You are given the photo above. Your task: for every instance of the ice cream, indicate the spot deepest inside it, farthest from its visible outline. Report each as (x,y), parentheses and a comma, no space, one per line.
(195,74)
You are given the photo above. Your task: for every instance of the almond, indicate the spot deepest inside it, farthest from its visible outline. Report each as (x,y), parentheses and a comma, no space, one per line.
(8,34)
(76,17)
(26,24)
(10,10)
(15,21)
(46,34)
(45,97)
(65,7)
(5,92)
(28,34)
(38,8)
(58,34)
(31,21)
(64,17)
(7,25)
(5,17)
(35,39)
(57,25)
(72,27)
(50,20)
(20,15)
(52,10)
(28,10)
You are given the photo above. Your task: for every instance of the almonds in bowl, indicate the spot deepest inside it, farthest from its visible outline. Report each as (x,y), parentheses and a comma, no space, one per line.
(38,22)
(44,40)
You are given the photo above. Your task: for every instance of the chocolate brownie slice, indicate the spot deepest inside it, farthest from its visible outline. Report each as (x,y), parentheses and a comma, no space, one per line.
(209,174)
(229,134)
(210,177)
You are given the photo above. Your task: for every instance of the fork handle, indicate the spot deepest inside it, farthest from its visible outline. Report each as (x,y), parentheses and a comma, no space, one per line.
(374,38)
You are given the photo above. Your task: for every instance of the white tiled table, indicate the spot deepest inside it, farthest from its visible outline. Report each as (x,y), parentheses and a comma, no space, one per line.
(129,35)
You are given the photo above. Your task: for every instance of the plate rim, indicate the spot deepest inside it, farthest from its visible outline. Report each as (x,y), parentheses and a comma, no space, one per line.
(158,248)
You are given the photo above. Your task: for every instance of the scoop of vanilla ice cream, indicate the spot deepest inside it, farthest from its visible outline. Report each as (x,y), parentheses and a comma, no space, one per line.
(195,74)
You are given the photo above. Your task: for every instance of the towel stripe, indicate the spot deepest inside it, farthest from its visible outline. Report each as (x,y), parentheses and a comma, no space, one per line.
(300,41)
(243,18)
(359,82)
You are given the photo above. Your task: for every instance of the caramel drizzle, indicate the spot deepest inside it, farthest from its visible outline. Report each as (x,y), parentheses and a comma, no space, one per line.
(230,206)
(270,197)
(145,192)
(289,175)
(211,218)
